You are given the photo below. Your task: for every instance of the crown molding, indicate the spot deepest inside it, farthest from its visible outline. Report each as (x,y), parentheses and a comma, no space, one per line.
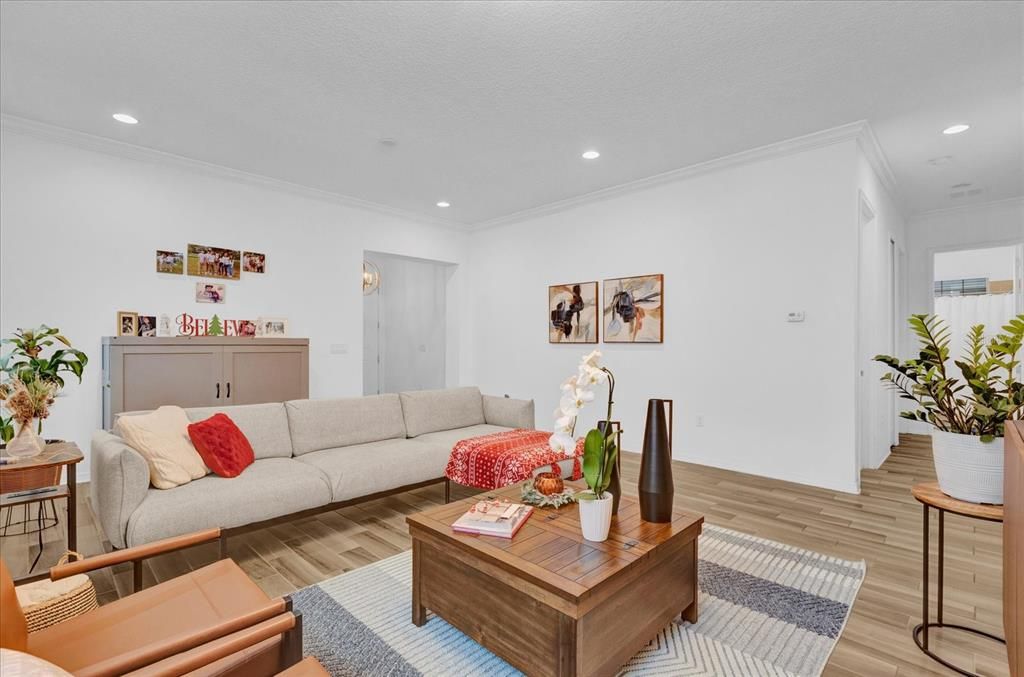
(826,137)
(976,206)
(868,144)
(121,149)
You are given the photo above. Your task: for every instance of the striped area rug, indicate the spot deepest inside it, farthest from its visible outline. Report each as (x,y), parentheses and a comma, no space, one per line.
(765,609)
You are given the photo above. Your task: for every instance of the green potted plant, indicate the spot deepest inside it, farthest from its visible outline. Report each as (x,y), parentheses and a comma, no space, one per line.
(968,412)
(599,447)
(30,379)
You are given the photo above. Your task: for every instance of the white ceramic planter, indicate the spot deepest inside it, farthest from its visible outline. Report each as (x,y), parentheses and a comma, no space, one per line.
(968,468)
(596,517)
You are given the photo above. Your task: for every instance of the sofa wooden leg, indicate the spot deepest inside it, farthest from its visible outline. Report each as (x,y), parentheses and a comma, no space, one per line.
(291,645)
(447,490)
(223,552)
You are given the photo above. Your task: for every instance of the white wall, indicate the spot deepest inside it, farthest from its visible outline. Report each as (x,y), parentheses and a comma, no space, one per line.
(994,263)
(992,224)
(882,233)
(739,247)
(78,232)
(403,325)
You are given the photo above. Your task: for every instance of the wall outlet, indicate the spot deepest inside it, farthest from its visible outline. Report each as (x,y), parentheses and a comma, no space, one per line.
(700,420)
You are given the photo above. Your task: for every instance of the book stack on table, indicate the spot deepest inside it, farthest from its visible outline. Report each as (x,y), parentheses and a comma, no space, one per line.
(499,518)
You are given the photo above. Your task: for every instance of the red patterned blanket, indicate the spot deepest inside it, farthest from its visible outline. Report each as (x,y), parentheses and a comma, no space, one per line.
(502,459)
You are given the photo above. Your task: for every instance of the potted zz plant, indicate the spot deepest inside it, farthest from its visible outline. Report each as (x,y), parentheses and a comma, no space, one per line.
(967,413)
(599,448)
(29,382)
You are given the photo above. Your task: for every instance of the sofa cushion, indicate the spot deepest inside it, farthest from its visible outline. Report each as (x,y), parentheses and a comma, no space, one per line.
(161,437)
(446,439)
(364,469)
(268,488)
(428,411)
(264,425)
(325,424)
(222,446)
(509,412)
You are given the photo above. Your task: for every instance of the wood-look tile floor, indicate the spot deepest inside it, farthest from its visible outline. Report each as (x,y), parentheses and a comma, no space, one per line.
(881,526)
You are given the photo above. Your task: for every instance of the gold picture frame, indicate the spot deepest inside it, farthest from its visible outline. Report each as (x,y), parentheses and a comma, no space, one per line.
(127,323)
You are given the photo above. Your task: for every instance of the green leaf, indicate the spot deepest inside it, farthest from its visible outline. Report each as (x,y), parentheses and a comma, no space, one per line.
(593,461)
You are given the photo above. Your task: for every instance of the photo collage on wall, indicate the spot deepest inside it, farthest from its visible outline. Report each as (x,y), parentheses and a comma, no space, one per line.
(632,311)
(215,264)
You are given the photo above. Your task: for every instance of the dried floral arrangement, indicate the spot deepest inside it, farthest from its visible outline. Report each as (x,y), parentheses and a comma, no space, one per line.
(28,400)
(40,376)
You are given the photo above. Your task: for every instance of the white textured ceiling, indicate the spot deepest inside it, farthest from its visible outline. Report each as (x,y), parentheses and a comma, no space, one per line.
(491,103)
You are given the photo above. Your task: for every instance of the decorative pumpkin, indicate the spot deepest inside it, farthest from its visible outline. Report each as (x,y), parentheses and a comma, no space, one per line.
(548,483)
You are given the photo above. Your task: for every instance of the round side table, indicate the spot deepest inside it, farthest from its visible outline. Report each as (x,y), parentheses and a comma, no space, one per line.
(930,496)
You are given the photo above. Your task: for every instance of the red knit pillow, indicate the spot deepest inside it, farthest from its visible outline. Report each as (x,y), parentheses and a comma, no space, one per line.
(222,446)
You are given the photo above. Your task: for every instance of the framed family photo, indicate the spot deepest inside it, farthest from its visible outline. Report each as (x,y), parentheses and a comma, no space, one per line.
(271,327)
(253,262)
(210,292)
(634,309)
(172,263)
(572,313)
(127,323)
(205,261)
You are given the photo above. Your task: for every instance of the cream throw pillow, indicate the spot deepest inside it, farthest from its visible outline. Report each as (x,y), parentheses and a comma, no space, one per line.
(162,439)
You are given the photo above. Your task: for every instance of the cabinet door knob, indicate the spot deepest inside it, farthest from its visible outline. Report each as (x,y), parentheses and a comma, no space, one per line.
(229,390)
(218,390)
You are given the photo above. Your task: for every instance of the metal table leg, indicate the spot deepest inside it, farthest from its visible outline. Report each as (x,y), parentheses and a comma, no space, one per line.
(920,633)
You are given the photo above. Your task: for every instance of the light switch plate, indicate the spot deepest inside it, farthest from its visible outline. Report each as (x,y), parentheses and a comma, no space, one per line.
(795,316)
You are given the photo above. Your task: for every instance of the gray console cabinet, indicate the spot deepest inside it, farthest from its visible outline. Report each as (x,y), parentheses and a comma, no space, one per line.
(141,373)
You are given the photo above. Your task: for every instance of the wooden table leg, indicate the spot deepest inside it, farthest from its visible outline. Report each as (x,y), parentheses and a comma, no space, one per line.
(72,508)
(690,612)
(419,612)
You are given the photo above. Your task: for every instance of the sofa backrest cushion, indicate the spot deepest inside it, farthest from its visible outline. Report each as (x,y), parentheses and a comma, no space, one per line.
(325,424)
(264,425)
(428,411)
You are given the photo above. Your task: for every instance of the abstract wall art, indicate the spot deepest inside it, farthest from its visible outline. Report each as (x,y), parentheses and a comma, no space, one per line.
(572,313)
(633,309)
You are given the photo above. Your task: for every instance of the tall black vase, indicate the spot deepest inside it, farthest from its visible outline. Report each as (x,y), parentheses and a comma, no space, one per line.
(615,484)
(655,486)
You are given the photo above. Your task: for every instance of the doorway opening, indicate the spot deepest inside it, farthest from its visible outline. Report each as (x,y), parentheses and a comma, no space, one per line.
(405,321)
(879,305)
(977,286)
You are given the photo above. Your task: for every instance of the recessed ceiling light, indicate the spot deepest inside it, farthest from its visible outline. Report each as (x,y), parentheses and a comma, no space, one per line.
(591,155)
(956,129)
(442,204)
(125,118)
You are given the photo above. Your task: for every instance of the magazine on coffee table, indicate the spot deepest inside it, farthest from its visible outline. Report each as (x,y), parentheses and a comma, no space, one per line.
(494,518)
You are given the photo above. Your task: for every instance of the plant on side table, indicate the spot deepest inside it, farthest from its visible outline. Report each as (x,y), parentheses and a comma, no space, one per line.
(967,413)
(30,380)
(599,448)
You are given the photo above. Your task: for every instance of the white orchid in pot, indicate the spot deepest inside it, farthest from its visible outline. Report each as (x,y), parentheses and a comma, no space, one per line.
(600,450)
(967,414)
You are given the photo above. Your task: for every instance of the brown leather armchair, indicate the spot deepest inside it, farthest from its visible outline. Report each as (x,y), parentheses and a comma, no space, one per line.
(211,621)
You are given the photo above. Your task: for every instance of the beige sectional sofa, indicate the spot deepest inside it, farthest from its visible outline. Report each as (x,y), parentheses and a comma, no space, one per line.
(310,455)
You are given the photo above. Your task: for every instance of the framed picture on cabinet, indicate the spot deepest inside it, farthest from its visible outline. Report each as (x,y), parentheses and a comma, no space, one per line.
(127,323)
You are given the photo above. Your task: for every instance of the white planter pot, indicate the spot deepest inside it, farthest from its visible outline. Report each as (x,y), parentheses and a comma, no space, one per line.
(967,468)
(596,517)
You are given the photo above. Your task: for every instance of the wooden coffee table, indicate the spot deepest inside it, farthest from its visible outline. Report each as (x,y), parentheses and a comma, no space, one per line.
(548,601)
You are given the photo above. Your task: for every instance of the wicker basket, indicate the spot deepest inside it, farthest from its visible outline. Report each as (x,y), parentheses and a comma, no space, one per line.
(47,603)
